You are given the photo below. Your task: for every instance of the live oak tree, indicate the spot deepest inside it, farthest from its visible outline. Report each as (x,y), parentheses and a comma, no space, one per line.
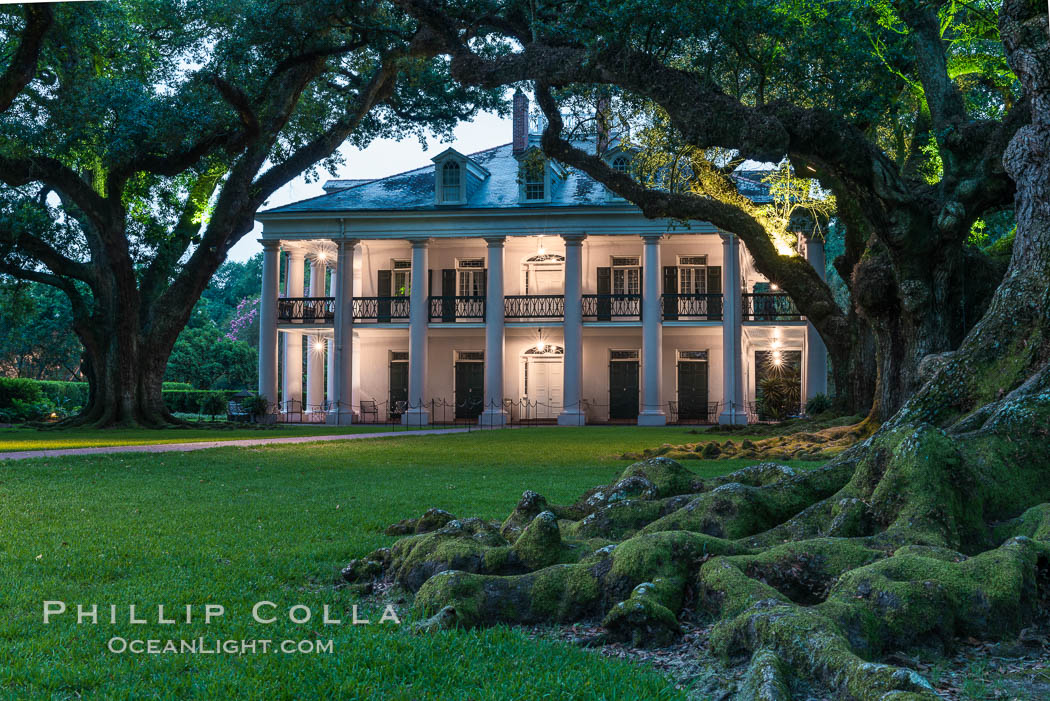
(902,110)
(936,527)
(138,140)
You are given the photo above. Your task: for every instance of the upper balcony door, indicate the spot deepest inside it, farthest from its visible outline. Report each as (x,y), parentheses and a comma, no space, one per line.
(470,277)
(544,275)
(626,275)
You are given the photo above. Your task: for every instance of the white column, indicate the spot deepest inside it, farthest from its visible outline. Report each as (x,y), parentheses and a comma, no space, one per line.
(572,386)
(330,389)
(652,335)
(292,376)
(733,409)
(342,409)
(315,349)
(816,351)
(417,414)
(268,322)
(493,414)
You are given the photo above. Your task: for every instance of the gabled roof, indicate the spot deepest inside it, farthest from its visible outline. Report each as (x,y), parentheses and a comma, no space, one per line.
(750,184)
(413,190)
(333,185)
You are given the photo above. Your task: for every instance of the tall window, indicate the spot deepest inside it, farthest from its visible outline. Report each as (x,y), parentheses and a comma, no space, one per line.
(471,277)
(626,275)
(402,278)
(692,275)
(450,182)
(534,185)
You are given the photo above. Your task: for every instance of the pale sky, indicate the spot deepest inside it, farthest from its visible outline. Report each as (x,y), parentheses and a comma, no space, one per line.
(381,158)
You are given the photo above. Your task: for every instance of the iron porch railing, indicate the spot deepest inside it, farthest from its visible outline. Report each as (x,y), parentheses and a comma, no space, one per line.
(527,307)
(770,306)
(311,310)
(615,307)
(380,310)
(450,309)
(692,307)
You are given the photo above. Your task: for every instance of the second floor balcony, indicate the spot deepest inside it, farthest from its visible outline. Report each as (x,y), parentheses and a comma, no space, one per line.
(756,307)
(770,307)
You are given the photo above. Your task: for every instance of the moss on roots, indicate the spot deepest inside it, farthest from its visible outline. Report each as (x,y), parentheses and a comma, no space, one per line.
(912,538)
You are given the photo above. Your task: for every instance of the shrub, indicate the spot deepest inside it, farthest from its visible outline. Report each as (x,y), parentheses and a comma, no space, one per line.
(197,401)
(818,404)
(256,405)
(780,396)
(14,389)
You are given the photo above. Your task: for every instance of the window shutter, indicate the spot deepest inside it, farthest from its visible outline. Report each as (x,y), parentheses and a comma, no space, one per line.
(383,290)
(714,288)
(430,282)
(714,279)
(383,281)
(484,282)
(671,288)
(604,279)
(448,294)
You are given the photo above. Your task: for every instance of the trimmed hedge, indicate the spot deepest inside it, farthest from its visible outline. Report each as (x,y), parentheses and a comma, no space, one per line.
(198,401)
(75,394)
(72,395)
(12,388)
(22,400)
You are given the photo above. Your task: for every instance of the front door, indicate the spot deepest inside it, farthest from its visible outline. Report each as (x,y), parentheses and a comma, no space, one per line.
(546,280)
(543,379)
(623,389)
(398,388)
(692,390)
(470,389)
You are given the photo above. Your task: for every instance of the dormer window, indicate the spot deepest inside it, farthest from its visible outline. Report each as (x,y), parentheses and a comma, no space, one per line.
(451,182)
(621,163)
(536,176)
(456,177)
(535,190)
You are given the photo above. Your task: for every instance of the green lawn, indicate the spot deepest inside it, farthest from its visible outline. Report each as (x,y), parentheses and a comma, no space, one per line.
(239,525)
(12,439)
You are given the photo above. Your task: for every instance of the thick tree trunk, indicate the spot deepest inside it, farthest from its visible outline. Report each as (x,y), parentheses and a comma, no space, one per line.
(919,303)
(125,380)
(853,368)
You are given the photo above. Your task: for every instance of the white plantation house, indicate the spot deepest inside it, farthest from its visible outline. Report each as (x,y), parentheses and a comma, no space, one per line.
(474,288)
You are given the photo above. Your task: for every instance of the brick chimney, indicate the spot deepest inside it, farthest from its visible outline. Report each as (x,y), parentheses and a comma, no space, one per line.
(603,115)
(521,121)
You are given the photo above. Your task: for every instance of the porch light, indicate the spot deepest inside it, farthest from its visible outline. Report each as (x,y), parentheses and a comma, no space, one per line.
(318,346)
(778,359)
(540,249)
(773,286)
(541,345)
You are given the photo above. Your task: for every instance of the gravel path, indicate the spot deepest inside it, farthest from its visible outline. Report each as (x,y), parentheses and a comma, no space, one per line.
(204,445)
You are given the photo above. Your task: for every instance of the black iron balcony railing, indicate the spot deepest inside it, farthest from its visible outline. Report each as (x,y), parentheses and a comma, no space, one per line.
(527,307)
(770,306)
(451,309)
(308,310)
(622,307)
(380,310)
(692,307)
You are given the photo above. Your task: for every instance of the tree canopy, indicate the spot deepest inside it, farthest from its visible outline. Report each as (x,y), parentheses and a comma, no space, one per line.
(141,138)
(902,110)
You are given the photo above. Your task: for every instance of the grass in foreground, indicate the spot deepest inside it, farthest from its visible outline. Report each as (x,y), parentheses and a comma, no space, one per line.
(235,526)
(12,439)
